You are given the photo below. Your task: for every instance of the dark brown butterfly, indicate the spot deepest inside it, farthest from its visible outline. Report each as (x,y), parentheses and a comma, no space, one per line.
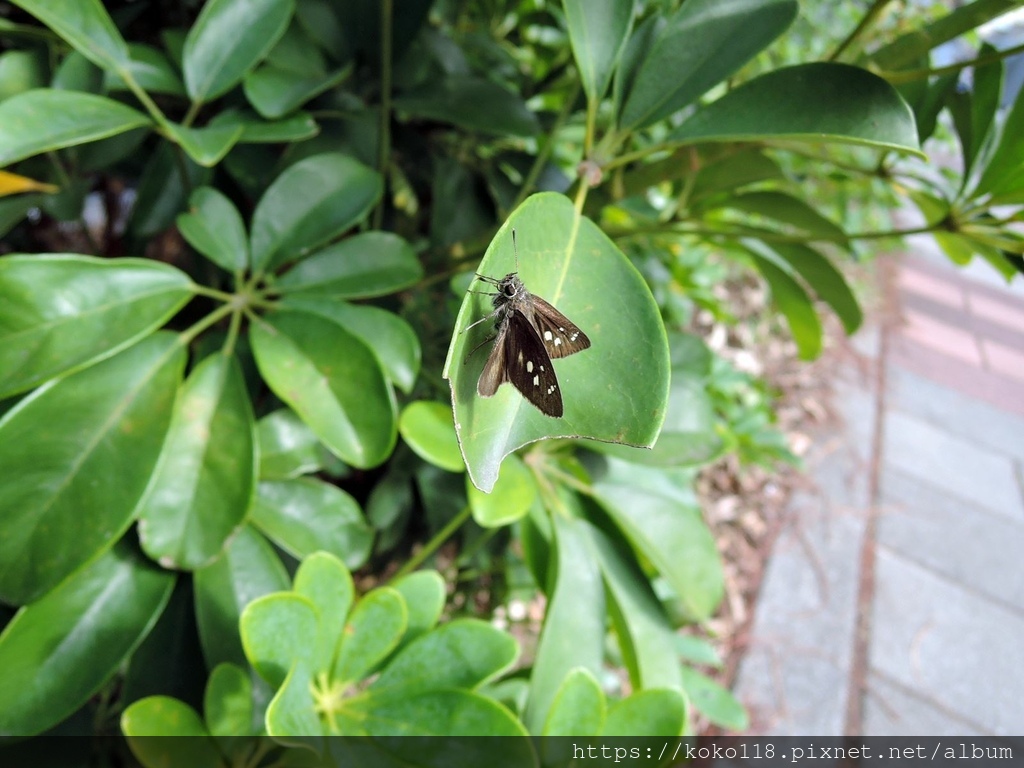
(530,334)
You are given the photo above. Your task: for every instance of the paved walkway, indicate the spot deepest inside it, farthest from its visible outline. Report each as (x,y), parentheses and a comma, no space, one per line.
(894,602)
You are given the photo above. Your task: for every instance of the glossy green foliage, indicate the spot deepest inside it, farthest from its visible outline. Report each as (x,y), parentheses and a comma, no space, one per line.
(615,391)
(198,446)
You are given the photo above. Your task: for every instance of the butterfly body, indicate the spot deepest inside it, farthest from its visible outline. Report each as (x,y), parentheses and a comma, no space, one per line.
(530,333)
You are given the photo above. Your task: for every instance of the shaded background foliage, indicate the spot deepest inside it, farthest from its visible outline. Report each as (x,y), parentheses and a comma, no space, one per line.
(200,447)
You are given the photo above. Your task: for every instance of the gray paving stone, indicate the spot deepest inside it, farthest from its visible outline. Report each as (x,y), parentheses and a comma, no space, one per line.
(958,540)
(956,413)
(965,469)
(890,710)
(792,694)
(945,644)
(795,676)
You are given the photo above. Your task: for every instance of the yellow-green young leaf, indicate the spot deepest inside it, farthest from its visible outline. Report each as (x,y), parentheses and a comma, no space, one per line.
(511,498)
(166,716)
(713,701)
(204,484)
(374,628)
(820,102)
(325,581)
(59,312)
(277,630)
(463,653)
(86,26)
(76,456)
(227,701)
(578,708)
(615,391)
(426,426)
(651,712)
(228,39)
(60,650)
(43,120)
(424,594)
(332,381)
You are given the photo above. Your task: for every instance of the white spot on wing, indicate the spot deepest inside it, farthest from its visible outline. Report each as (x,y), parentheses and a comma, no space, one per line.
(547,335)
(529,366)
(536,381)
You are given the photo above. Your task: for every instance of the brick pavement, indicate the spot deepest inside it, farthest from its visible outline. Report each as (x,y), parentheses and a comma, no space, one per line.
(893,603)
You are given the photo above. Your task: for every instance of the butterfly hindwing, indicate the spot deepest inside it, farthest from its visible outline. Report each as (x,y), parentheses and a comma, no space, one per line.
(561,337)
(520,356)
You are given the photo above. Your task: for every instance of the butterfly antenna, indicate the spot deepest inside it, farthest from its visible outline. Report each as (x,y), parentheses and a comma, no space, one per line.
(515,248)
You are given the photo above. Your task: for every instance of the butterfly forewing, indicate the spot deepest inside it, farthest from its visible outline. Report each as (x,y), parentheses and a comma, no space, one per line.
(561,337)
(520,356)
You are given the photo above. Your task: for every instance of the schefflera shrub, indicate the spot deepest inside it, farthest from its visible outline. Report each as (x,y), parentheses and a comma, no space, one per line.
(339,666)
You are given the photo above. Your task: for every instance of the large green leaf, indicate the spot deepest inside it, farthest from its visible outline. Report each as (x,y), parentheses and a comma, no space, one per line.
(59,651)
(214,227)
(391,339)
(304,515)
(828,282)
(311,202)
(573,633)
(332,380)
(274,92)
(818,102)
(703,43)
(597,31)
(42,120)
(1004,171)
(247,569)
(364,265)
(473,103)
(59,312)
(151,70)
(616,391)
(644,633)
(76,456)
(786,209)
(228,39)
(794,303)
(663,523)
(86,26)
(206,478)
(288,448)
